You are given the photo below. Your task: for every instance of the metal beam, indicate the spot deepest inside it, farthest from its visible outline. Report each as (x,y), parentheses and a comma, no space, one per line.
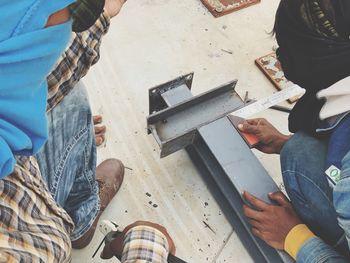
(223,158)
(175,127)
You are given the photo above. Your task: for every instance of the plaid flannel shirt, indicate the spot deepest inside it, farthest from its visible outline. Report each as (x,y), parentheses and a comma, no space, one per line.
(84,13)
(33,228)
(76,61)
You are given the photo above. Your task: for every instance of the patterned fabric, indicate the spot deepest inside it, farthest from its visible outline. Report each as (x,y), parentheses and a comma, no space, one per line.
(319,16)
(33,228)
(85,13)
(76,61)
(145,244)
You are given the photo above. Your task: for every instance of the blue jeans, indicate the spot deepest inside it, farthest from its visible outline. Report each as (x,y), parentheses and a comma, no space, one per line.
(303,169)
(68,160)
(339,143)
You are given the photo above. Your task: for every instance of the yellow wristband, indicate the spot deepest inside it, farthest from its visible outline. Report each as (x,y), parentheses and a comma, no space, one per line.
(296,238)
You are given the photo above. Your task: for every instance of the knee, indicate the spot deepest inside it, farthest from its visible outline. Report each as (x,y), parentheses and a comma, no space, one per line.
(292,151)
(79,98)
(346,164)
(302,164)
(302,151)
(78,106)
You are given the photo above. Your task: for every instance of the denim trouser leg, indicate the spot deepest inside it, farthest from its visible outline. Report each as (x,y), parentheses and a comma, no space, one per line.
(68,160)
(302,160)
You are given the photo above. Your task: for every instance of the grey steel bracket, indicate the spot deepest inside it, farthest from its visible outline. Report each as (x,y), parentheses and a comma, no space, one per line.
(199,124)
(175,127)
(156,102)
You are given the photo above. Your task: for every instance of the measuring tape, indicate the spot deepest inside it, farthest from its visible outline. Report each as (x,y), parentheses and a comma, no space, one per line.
(268,102)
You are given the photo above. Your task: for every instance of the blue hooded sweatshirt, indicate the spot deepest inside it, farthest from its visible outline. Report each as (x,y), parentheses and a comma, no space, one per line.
(28,51)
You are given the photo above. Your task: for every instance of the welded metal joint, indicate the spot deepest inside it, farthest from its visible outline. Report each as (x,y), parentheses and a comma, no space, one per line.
(175,127)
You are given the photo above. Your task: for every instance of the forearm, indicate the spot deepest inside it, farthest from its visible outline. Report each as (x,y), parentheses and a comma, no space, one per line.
(76,61)
(281,141)
(87,48)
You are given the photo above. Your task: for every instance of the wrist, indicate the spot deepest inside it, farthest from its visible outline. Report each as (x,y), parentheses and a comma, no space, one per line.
(296,238)
(281,141)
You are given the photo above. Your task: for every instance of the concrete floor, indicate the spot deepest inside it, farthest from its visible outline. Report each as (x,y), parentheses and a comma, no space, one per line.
(151,42)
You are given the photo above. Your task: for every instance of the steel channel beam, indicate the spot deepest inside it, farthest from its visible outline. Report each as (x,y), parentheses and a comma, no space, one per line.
(176,127)
(229,167)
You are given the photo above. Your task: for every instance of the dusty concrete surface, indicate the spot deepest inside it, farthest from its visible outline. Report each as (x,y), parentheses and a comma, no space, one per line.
(150,42)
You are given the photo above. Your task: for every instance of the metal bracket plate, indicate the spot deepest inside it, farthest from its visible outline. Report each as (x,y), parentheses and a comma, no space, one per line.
(176,126)
(156,102)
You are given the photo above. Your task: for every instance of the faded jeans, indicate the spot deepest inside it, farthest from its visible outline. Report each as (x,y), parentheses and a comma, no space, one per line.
(303,168)
(68,160)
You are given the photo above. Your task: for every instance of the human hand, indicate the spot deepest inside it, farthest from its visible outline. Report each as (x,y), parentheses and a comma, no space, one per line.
(115,248)
(270,139)
(113,7)
(271,223)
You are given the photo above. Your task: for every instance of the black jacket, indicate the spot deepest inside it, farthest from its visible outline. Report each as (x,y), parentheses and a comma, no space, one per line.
(310,59)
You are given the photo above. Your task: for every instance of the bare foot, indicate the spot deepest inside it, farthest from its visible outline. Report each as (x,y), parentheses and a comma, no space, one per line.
(100,131)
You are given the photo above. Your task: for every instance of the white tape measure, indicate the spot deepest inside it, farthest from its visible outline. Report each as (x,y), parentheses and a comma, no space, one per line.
(265,103)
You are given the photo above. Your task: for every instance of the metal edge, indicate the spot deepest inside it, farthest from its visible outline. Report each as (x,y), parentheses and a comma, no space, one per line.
(218,185)
(156,102)
(178,143)
(162,114)
(152,130)
(224,205)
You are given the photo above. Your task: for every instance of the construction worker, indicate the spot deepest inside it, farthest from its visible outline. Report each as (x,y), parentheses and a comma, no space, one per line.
(314,51)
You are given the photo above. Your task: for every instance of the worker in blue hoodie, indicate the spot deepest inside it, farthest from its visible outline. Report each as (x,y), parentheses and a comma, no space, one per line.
(35,226)
(28,51)
(33,35)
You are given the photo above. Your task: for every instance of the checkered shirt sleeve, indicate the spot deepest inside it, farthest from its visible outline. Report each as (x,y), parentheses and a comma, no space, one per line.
(83,52)
(144,244)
